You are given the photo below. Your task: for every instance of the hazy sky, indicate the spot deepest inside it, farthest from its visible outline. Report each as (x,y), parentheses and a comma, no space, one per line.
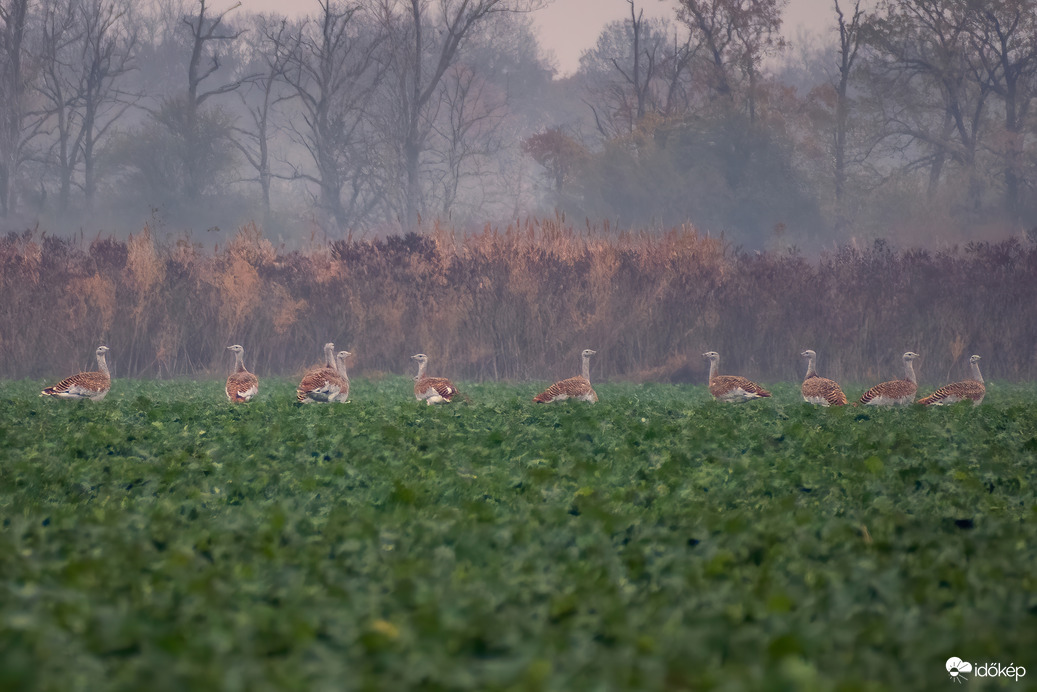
(569,27)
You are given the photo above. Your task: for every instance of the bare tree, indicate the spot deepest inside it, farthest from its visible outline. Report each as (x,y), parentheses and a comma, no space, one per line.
(13,89)
(425,43)
(86,49)
(333,67)
(109,54)
(1004,39)
(849,45)
(624,72)
(735,37)
(674,69)
(59,89)
(468,133)
(924,88)
(209,38)
(266,92)
(644,57)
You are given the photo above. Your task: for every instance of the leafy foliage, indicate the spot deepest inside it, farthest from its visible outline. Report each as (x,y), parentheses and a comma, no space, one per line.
(656,540)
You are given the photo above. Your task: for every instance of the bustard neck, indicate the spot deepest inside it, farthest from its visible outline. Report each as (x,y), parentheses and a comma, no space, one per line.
(976,374)
(239,361)
(909,370)
(102,363)
(713,368)
(329,356)
(587,368)
(421,368)
(811,372)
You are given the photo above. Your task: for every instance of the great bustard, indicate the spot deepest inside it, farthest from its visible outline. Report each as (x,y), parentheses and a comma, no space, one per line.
(433,390)
(820,390)
(340,363)
(578,387)
(894,392)
(85,385)
(972,389)
(241,385)
(328,383)
(731,388)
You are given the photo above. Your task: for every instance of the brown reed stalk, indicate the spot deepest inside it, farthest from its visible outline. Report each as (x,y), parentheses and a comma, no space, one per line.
(514,302)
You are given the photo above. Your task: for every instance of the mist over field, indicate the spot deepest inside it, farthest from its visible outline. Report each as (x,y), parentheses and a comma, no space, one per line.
(181,175)
(910,122)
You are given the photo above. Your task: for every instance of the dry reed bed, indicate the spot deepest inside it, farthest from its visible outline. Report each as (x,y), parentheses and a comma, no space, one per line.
(514,303)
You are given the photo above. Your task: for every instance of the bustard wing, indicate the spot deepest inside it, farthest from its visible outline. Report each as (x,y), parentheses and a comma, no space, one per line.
(815,388)
(434,386)
(894,389)
(83,385)
(343,392)
(572,388)
(725,384)
(955,392)
(319,385)
(242,386)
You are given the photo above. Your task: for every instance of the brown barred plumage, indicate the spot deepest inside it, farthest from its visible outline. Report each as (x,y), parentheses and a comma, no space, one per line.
(326,384)
(820,390)
(731,388)
(241,385)
(431,390)
(85,385)
(572,388)
(894,392)
(578,387)
(972,389)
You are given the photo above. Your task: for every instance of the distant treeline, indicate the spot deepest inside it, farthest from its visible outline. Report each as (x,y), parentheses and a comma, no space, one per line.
(519,302)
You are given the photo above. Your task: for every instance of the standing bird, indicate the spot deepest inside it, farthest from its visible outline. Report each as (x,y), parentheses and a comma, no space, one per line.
(340,364)
(894,392)
(241,385)
(972,389)
(578,387)
(85,385)
(434,390)
(731,388)
(820,390)
(325,383)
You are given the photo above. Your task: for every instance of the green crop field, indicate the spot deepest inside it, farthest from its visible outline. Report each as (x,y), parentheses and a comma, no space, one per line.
(165,540)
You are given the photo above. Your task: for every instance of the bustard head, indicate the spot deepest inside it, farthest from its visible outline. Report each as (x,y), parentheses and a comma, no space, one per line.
(342,355)
(808,354)
(587,353)
(974,359)
(235,349)
(420,357)
(909,356)
(101,350)
(711,355)
(330,346)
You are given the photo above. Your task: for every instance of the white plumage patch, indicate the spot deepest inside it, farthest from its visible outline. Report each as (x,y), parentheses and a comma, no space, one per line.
(79,392)
(247,394)
(946,401)
(889,401)
(737,395)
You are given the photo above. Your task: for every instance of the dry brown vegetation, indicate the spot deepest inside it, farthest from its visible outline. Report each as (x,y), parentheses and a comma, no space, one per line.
(519,302)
